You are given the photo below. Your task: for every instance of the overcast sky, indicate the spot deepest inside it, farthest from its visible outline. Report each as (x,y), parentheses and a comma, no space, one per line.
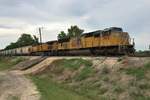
(25,16)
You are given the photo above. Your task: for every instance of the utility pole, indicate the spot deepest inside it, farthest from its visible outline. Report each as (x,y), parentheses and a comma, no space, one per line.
(40,33)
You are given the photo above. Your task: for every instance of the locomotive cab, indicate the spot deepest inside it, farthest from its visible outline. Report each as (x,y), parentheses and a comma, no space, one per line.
(118,37)
(122,40)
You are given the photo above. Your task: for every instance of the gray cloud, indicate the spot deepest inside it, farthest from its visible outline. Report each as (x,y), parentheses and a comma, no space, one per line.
(26,15)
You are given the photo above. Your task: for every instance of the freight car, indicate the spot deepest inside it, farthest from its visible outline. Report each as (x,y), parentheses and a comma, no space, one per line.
(101,42)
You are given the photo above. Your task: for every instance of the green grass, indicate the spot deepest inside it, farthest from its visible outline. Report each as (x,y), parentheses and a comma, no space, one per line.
(118,89)
(87,84)
(85,72)
(13,98)
(52,91)
(9,62)
(147,66)
(72,64)
(139,72)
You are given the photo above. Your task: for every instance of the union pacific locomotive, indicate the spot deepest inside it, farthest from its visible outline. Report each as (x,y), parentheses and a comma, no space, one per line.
(101,42)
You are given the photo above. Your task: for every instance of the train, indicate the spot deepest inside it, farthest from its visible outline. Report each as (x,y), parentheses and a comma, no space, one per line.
(109,41)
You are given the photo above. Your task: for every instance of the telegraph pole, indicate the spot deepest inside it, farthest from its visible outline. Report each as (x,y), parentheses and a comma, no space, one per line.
(40,33)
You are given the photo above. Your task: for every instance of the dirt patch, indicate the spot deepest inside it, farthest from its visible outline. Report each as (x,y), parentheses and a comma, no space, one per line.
(17,87)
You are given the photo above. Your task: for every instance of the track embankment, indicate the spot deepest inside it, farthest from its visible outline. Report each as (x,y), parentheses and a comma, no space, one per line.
(123,78)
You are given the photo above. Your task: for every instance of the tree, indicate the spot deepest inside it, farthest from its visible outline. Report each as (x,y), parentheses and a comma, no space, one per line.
(36,39)
(24,40)
(62,35)
(74,31)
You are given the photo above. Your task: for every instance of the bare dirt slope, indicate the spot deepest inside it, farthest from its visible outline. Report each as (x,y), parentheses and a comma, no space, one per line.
(40,66)
(14,86)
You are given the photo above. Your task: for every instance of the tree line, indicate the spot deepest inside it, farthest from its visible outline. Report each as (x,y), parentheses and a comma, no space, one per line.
(27,39)
(24,40)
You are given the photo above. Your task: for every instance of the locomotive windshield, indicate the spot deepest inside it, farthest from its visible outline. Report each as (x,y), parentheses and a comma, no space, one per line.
(116,30)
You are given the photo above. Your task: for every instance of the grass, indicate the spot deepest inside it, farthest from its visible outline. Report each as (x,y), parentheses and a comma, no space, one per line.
(118,89)
(73,64)
(12,97)
(87,84)
(9,62)
(85,72)
(144,86)
(139,72)
(50,90)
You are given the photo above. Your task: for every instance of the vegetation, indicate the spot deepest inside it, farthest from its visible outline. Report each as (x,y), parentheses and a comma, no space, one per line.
(86,72)
(62,35)
(80,77)
(138,72)
(73,64)
(13,98)
(24,40)
(73,31)
(9,62)
(143,53)
(51,90)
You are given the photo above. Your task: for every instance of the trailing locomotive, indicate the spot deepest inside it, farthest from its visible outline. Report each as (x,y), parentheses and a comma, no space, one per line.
(101,42)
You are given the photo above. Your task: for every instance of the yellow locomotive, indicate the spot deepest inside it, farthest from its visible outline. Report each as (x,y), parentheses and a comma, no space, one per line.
(108,41)
(101,42)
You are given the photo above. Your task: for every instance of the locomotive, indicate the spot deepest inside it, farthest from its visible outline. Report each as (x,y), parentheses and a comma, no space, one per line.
(111,40)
